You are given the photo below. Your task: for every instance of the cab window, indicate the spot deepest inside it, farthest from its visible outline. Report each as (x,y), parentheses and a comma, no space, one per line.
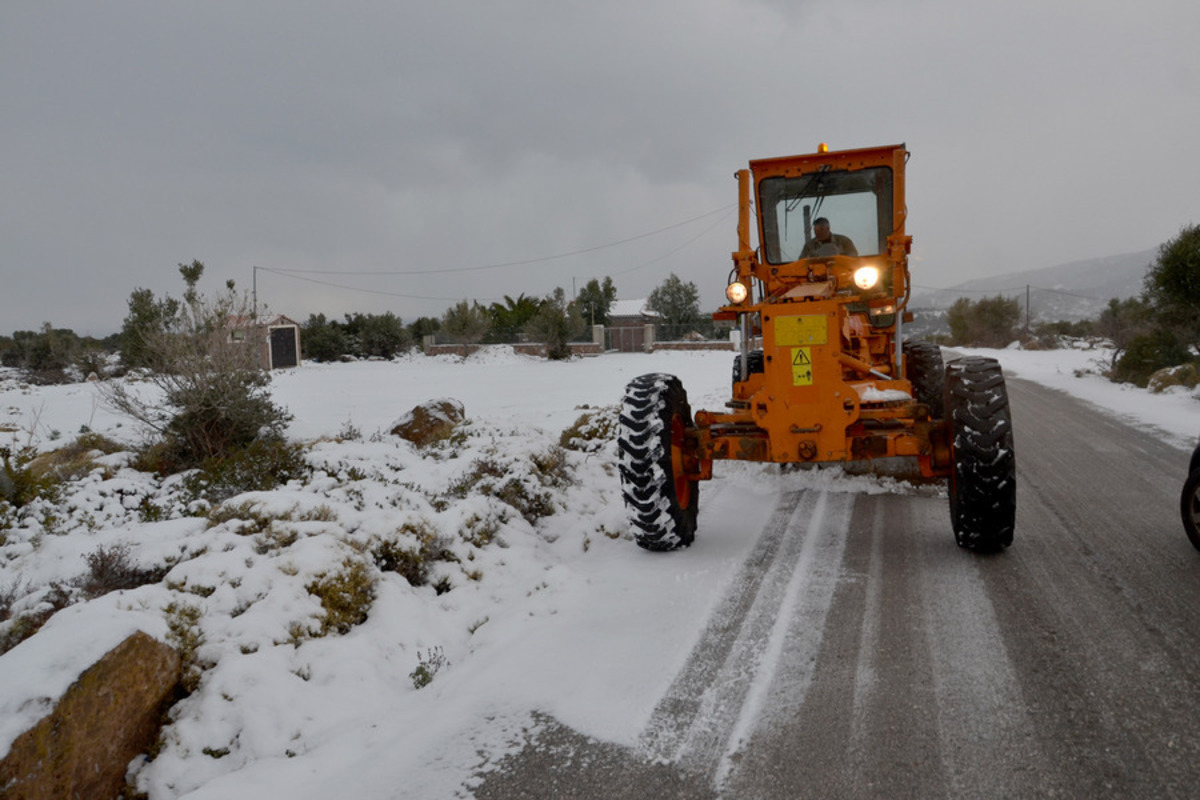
(857,203)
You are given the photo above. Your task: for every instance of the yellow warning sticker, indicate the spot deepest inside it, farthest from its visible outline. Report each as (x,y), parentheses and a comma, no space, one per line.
(801,366)
(794,331)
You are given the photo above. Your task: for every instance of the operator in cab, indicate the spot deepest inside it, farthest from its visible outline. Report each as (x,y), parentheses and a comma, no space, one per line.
(826,243)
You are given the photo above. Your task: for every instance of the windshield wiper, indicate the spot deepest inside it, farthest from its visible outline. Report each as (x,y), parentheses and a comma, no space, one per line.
(791,204)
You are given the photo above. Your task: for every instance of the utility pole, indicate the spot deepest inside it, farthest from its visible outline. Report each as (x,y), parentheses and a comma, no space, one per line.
(1027,308)
(254,293)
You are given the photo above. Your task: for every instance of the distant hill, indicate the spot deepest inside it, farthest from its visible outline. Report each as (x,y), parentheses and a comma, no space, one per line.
(1073,291)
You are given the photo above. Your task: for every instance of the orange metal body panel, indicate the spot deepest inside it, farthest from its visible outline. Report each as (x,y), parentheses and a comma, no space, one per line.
(830,389)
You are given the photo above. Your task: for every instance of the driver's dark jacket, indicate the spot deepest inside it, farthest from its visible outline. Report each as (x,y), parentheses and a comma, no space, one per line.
(844,245)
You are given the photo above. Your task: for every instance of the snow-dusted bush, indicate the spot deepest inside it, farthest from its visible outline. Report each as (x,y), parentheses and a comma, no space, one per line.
(209,399)
(595,428)
(346,594)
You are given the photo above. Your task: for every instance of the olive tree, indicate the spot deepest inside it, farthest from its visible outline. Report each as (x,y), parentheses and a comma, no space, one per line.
(465,323)
(595,301)
(1172,286)
(677,302)
(990,322)
(556,323)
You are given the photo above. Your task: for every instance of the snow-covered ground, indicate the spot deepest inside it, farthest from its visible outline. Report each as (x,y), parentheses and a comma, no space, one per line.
(551,608)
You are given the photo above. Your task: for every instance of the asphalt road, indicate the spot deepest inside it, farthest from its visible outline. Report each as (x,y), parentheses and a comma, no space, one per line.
(900,666)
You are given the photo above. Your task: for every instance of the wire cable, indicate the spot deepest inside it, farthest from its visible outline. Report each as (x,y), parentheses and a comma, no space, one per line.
(502,265)
(676,250)
(364,291)
(1016,289)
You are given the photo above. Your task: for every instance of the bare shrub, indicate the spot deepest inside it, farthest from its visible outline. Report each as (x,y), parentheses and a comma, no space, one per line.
(412,551)
(112,569)
(22,627)
(207,396)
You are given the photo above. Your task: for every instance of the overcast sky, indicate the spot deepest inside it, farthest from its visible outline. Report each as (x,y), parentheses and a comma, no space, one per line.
(448,136)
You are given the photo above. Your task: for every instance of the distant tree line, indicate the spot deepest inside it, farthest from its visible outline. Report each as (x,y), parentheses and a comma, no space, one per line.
(58,354)
(55,355)
(1156,330)
(553,320)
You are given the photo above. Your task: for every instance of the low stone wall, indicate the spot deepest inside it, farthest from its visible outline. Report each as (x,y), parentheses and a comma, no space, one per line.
(705,345)
(577,348)
(525,348)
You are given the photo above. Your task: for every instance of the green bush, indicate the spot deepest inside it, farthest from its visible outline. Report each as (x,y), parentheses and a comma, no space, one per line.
(378,335)
(186,636)
(429,664)
(1147,354)
(50,355)
(262,465)
(592,430)
(324,340)
(1172,286)
(346,596)
(556,323)
(1185,375)
(990,322)
(412,551)
(530,487)
(90,440)
(22,480)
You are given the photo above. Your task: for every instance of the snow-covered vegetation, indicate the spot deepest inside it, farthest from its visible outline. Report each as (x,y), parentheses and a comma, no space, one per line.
(395,617)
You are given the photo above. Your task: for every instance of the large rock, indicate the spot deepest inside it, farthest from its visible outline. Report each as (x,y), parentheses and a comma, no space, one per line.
(106,718)
(430,422)
(1185,375)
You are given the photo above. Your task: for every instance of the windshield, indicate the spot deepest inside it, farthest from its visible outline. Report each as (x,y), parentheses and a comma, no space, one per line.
(857,204)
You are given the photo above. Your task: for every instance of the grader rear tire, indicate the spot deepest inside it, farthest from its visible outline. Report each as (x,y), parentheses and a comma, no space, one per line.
(661,500)
(983,483)
(926,370)
(754,364)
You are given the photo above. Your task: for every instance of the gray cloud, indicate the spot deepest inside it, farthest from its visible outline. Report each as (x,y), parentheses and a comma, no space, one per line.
(373,136)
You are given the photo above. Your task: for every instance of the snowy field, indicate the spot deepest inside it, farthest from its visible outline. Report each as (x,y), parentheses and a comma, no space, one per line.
(550,608)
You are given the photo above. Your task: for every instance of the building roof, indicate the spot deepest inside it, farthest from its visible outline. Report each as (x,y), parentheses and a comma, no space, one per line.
(631,308)
(263,321)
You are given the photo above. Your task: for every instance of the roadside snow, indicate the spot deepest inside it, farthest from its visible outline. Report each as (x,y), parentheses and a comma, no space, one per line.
(1173,416)
(552,608)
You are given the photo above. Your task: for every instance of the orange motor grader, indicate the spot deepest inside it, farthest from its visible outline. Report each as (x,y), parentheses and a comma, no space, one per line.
(824,374)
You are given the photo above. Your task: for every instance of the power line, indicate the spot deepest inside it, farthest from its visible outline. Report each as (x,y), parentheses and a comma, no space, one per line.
(502,265)
(300,274)
(1017,289)
(677,249)
(362,291)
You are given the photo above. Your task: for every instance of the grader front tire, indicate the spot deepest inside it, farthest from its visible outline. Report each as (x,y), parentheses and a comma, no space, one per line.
(661,500)
(983,483)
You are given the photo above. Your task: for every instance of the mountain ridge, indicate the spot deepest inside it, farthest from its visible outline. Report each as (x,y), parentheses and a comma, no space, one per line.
(1072,291)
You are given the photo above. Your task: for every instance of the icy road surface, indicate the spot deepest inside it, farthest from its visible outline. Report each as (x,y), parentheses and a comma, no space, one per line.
(860,653)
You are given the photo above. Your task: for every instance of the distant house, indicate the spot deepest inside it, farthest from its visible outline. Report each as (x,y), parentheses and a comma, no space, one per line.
(277,337)
(627,321)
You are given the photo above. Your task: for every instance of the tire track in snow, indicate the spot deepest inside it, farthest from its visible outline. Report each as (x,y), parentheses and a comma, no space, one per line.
(715,702)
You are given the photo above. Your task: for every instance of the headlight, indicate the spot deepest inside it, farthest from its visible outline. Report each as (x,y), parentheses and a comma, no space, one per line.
(866,277)
(882,316)
(736,292)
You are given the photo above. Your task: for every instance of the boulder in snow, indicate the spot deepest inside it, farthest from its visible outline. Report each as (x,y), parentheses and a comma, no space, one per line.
(109,715)
(430,422)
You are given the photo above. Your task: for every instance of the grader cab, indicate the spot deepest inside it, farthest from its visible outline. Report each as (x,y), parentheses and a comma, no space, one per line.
(824,374)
